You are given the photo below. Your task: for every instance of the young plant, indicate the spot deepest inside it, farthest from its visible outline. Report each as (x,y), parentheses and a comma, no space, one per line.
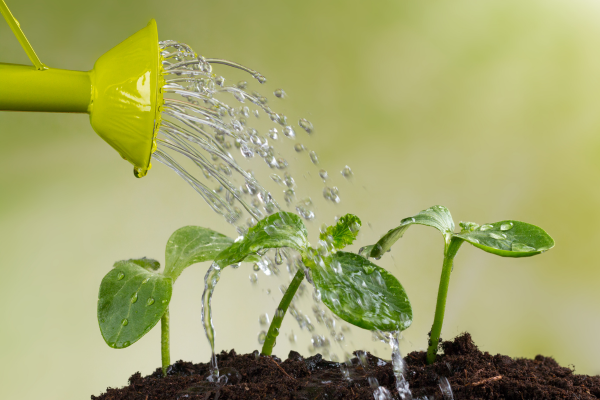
(134,295)
(505,238)
(353,288)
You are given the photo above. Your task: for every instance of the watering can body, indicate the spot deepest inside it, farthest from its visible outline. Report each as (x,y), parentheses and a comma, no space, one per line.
(122,94)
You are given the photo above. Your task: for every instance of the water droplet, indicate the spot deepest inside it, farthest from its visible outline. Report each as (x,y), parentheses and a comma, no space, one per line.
(273,134)
(506,226)
(126,343)
(150,301)
(313,157)
(473,240)
(305,213)
(298,147)
(306,125)
(279,93)
(145,281)
(262,335)
(261,79)
(522,248)
(497,236)
(263,319)
(278,257)
(288,131)
(253,278)
(124,322)
(165,301)
(134,297)
(323,174)
(242,84)
(219,80)
(486,227)
(347,172)
(120,276)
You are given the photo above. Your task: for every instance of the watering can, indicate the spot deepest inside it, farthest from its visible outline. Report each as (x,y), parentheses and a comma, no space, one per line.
(122,94)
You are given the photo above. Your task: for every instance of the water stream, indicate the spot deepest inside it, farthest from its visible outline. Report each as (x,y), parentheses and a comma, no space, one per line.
(205,121)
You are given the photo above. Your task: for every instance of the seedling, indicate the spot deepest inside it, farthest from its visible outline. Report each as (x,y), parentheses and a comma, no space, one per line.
(134,296)
(505,238)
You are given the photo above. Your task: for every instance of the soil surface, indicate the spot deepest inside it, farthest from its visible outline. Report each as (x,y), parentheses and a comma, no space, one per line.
(470,373)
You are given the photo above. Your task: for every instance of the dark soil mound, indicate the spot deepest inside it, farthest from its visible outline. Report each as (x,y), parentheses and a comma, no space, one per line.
(470,373)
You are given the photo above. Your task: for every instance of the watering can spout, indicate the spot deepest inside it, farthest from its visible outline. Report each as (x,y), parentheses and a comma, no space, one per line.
(122,94)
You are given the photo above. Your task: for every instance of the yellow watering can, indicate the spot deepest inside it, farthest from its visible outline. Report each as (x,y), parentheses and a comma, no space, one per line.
(122,94)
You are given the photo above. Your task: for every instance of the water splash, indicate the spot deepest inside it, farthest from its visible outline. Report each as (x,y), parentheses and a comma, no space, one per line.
(210,281)
(201,128)
(209,122)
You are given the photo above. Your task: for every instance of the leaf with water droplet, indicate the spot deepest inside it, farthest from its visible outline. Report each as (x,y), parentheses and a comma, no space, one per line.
(344,232)
(190,245)
(509,239)
(437,217)
(364,294)
(122,318)
(282,229)
(146,263)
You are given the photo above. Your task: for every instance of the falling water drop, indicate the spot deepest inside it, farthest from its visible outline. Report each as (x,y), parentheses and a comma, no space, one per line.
(299,147)
(306,125)
(279,93)
(347,172)
(313,157)
(262,336)
(323,174)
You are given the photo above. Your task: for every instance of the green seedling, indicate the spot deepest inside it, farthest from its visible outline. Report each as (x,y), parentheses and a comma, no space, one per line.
(134,295)
(353,288)
(505,238)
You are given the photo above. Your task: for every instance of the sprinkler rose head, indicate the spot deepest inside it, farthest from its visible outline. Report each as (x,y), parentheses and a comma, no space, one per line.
(122,94)
(126,97)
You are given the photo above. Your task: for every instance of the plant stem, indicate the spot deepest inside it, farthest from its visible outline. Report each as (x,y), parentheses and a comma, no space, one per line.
(280,313)
(165,350)
(449,253)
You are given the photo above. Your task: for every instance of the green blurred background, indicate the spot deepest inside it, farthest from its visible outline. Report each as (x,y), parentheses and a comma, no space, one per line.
(489,108)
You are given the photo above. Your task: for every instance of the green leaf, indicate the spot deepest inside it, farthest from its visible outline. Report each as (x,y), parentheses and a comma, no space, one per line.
(343,233)
(146,263)
(509,238)
(130,302)
(437,217)
(362,293)
(282,229)
(190,245)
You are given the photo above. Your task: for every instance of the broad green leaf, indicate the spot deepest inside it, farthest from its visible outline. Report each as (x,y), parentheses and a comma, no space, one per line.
(130,302)
(190,245)
(362,293)
(509,238)
(146,263)
(343,233)
(282,229)
(437,217)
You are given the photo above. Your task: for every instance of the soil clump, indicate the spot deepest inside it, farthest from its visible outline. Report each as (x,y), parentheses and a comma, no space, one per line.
(470,373)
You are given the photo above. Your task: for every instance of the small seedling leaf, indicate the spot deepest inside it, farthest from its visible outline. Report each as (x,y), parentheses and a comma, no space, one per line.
(282,229)
(146,263)
(437,217)
(343,233)
(362,293)
(509,238)
(190,245)
(130,302)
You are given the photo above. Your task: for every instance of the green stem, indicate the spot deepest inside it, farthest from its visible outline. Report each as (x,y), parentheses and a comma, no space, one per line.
(280,313)
(164,342)
(440,308)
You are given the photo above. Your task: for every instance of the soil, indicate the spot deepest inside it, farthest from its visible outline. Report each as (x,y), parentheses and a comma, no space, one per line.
(472,374)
